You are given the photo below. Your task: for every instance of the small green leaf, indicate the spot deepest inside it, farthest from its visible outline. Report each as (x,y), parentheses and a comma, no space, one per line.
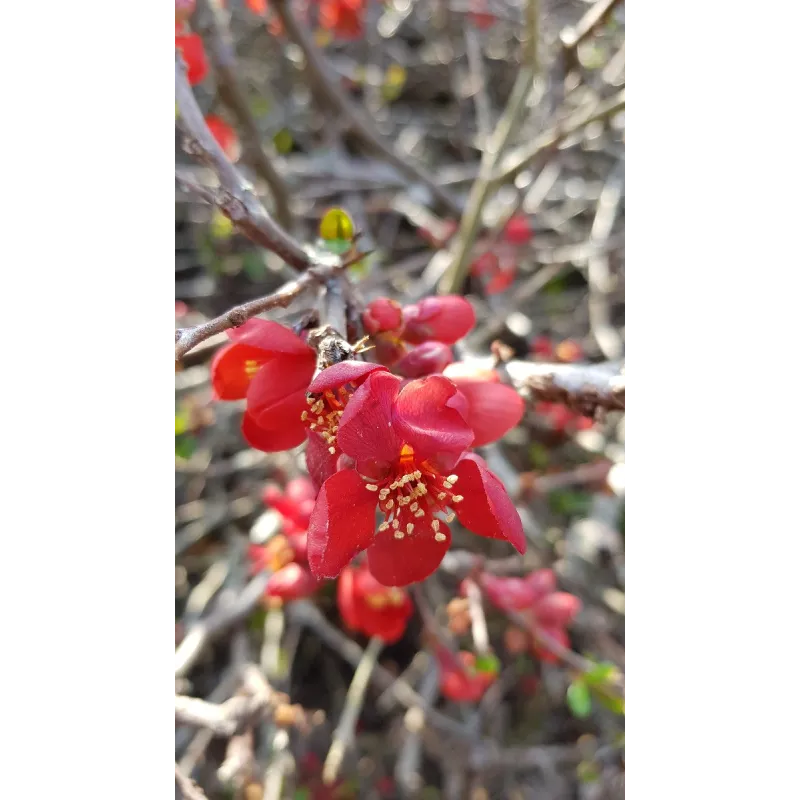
(600,673)
(184,446)
(181,424)
(337,246)
(487,663)
(579,699)
(303,793)
(613,703)
(283,141)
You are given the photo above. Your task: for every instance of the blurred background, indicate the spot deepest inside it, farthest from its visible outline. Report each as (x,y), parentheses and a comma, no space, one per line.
(424,84)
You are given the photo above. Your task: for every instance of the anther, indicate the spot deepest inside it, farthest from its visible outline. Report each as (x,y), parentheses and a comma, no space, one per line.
(448,485)
(399,535)
(331,450)
(420,513)
(395,523)
(304,416)
(410,527)
(384,526)
(450,517)
(456,498)
(440,537)
(414,506)
(372,487)
(441,495)
(435,524)
(452,478)
(389,505)
(417,475)
(383,494)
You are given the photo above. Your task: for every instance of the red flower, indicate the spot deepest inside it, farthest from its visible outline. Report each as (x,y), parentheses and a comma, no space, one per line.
(194,55)
(405,451)
(327,397)
(270,367)
(542,346)
(370,607)
(501,280)
(291,582)
(459,681)
(492,409)
(225,136)
(427,359)
(343,17)
(518,230)
(569,351)
(445,319)
(382,315)
(294,504)
(518,594)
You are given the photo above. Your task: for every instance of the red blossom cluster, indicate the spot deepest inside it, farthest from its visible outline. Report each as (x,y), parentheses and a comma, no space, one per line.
(190,44)
(344,19)
(535,596)
(371,608)
(463,679)
(376,441)
(286,554)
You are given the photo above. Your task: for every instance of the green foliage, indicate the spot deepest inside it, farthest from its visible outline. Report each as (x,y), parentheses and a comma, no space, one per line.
(579,698)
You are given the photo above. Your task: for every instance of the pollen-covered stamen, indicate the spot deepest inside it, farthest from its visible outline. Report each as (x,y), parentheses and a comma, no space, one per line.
(251,367)
(325,412)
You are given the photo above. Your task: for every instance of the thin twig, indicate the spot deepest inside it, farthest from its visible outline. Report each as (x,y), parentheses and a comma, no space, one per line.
(189,790)
(187,338)
(345,730)
(235,197)
(339,101)
(200,635)
(480,633)
(232,94)
(554,136)
(227,719)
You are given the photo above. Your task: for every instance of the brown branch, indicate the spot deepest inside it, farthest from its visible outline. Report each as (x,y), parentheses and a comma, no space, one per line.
(187,338)
(335,97)
(235,197)
(188,789)
(583,387)
(232,94)
(226,719)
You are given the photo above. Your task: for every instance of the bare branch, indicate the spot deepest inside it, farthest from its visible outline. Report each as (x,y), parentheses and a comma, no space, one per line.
(333,94)
(187,338)
(232,94)
(235,197)
(227,719)
(583,387)
(188,789)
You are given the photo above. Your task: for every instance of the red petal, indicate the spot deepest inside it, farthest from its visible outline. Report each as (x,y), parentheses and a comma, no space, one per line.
(270,440)
(194,55)
(445,319)
(382,314)
(345,597)
(342,524)
(486,508)
(557,609)
(493,409)
(283,415)
(291,583)
(280,377)
(365,428)
(424,419)
(271,336)
(400,562)
(321,464)
(541,582)
(354,372)
(426,359)
(229,376)
(225,135)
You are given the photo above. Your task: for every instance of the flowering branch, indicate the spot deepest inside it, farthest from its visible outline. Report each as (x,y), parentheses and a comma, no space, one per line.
(332,93)
(235,196)
(233,96)
(187,338)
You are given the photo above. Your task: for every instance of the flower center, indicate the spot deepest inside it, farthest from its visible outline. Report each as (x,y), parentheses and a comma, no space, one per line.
(325,411)
(391,597)
(251,367)
(412,495)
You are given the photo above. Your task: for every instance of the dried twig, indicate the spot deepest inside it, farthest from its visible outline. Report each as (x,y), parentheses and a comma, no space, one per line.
(336,98)
(235,197)
(187,338)
(227,719)
(188,789)
(232,94)
(345,730)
